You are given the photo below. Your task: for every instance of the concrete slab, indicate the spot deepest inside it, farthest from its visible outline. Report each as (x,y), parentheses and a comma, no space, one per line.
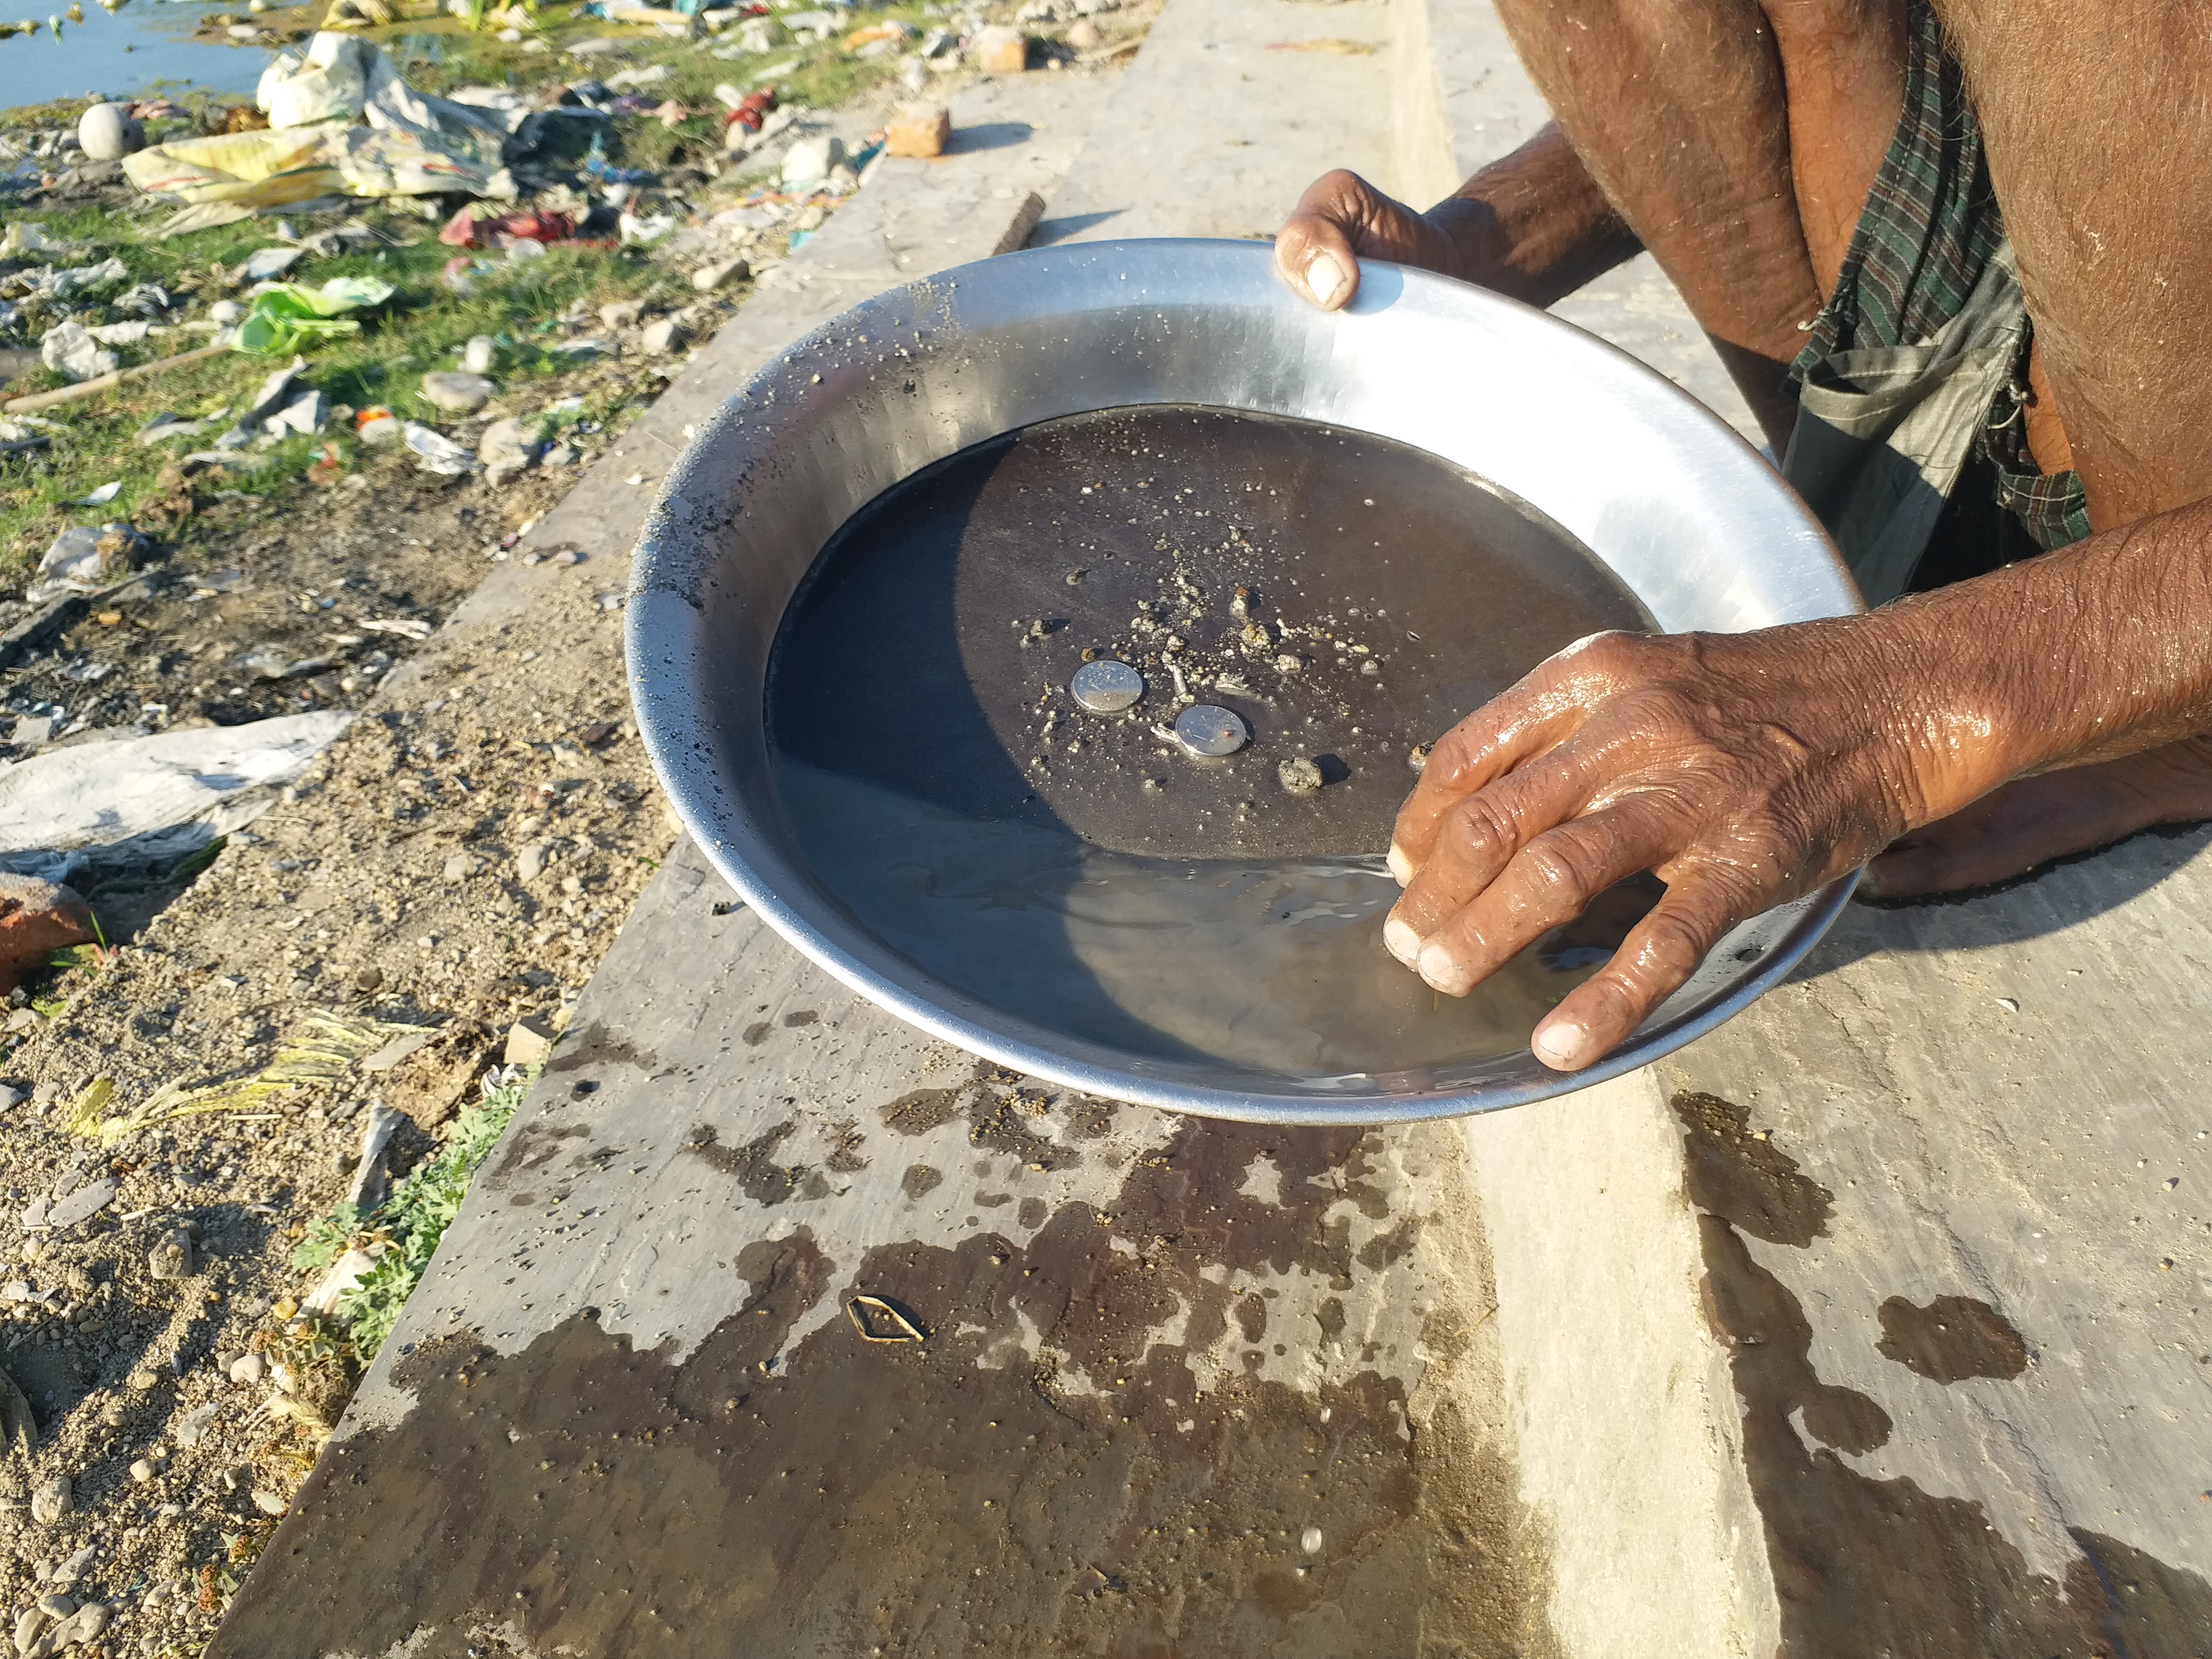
(775,1327)
(1955,1191)
(1232,108)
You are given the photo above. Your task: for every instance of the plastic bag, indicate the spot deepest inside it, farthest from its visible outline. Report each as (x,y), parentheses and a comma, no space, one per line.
(342,122)
(264,168)
(330,84)
(286,317)
(401,161)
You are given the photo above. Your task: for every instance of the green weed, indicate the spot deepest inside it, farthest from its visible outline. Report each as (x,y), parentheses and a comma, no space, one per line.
(402,1234)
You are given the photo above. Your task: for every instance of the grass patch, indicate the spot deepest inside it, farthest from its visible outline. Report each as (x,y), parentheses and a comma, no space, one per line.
(402,1233)
(422,326)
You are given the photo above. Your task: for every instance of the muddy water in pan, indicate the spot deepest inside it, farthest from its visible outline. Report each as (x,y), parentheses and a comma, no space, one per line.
(1347,597)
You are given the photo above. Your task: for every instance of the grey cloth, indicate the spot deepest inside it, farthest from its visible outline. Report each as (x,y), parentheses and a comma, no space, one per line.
(1884,432)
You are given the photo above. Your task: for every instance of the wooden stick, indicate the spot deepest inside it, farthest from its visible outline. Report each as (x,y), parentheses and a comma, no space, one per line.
(69,394)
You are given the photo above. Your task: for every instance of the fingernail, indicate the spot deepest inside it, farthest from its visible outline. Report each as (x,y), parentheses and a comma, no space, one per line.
(1401,941)
(1440,972)
(1325,280)
(1401,867)
(1560,1044)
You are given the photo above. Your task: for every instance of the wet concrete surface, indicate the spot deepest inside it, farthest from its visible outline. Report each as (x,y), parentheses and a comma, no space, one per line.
(1863,1565)
(932,1497)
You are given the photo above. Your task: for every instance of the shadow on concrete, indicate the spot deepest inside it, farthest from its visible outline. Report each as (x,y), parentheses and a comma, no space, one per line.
(1861,1565)
(2061,894)
(1049,231)
(988,135)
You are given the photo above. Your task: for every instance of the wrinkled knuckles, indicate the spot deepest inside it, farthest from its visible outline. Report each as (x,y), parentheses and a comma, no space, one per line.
(1564,874)
(1670,949)
(1481,833)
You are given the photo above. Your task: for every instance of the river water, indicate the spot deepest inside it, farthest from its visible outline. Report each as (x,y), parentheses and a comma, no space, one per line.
(145,47)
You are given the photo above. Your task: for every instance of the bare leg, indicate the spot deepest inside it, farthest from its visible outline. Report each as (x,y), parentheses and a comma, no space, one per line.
(1738,148)
(2031,821)
(2078,104)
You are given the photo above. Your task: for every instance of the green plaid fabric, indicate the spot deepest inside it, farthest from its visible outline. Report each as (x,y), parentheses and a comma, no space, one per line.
(1930,227)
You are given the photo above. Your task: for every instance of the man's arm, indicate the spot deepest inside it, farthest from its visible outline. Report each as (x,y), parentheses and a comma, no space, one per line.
(1747,769)
(1534,225)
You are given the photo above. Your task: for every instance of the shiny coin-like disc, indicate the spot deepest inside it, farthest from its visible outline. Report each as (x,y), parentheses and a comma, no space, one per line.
(1107,687)
(1207,729)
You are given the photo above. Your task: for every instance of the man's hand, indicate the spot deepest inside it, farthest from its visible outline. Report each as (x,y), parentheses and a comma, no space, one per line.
(1341,220)
(1741,769)
(1533,226)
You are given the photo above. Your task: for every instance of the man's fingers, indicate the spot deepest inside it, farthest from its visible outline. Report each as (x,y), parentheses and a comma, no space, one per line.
(1341,220)
(1313,251)
(1477,838)
(1547,883)
(1474,755)
(1662,952)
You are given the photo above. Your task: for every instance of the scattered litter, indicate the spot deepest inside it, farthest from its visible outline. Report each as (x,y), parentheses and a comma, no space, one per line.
(412,628)
(306,415)
(269,263)
(344,1275)
(879,1319)
(137,801)
(340,122)
(70,349)
(286,317)
(435,452)
(397,1049)
(372,1181)
(203,216)
(637,80)
(85,560)
(467,229)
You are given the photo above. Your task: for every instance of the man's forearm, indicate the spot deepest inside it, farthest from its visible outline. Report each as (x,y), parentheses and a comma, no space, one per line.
(1534,224)
(2099,650)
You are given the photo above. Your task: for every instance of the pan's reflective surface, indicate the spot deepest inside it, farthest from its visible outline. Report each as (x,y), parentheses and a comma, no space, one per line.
(1691,523)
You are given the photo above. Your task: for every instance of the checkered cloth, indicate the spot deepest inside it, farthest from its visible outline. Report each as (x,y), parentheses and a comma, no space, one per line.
(1930,227)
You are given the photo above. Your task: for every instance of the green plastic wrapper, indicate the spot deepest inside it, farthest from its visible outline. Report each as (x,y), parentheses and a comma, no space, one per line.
(287,317)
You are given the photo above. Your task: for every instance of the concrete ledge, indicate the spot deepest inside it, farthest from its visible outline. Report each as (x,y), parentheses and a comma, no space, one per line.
(1625,1423)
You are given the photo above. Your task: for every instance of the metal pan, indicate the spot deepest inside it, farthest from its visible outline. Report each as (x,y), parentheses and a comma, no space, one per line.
(1694,521)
